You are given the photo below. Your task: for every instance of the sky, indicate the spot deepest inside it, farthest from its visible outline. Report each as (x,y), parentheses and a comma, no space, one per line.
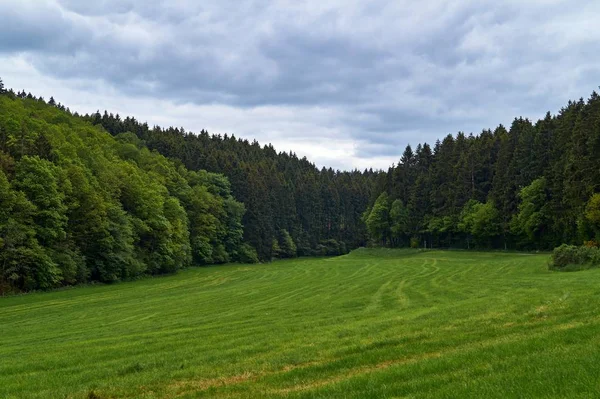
(346,83)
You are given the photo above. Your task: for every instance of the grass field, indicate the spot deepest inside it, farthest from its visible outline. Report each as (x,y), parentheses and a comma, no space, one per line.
(372,324)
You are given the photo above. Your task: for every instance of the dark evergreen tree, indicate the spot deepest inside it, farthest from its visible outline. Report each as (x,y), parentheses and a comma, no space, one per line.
(102,198)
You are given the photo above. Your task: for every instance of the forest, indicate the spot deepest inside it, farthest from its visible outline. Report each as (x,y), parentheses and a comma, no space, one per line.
(98,197)
(293,208)
(534,186)
(79,205)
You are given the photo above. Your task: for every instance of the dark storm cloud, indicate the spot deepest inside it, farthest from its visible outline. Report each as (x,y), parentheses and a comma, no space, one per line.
(390,72)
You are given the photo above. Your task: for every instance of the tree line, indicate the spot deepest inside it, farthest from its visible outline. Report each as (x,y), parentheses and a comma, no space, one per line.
(99,198)
(534,186)
(79,205)
(293,208)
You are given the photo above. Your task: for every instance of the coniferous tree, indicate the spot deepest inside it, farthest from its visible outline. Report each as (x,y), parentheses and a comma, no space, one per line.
(123,199)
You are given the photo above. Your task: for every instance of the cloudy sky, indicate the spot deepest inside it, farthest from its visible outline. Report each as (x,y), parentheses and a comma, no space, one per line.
(346,83)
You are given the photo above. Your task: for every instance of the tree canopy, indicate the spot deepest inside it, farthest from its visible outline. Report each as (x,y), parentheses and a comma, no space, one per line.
(79,205)
(102,198)
(533,186)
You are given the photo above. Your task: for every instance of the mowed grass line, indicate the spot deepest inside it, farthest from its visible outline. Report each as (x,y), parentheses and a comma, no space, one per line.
(372,324)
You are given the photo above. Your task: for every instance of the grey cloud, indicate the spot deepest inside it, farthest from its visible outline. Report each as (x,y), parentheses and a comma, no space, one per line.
(38,28)
(391,72)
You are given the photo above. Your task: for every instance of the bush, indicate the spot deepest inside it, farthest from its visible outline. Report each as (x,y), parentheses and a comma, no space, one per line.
(332,248)
(287,247)
(247,254)
(303,248)
(219,254)
(571,257)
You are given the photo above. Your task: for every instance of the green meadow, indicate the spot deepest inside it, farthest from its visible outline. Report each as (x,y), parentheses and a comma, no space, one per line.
(371,324)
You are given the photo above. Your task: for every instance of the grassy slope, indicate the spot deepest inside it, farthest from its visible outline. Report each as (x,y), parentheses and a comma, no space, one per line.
(374,324)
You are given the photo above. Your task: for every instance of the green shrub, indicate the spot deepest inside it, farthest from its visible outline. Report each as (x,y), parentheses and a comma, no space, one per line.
(331,247)
(303,247)
(220,254)
(287,247)
(247,254)
(572,257)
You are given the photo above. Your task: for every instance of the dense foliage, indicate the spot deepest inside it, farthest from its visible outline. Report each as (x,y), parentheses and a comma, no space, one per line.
(285,197)
(79,205)
(100,198)
(573,257)
(534,186)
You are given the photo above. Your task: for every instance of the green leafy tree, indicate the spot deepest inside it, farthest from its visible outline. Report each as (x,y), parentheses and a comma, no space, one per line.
(39,180)
(24,264)
(480,222)
(531,220)
(486,224)
(378,219)
(592,214)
